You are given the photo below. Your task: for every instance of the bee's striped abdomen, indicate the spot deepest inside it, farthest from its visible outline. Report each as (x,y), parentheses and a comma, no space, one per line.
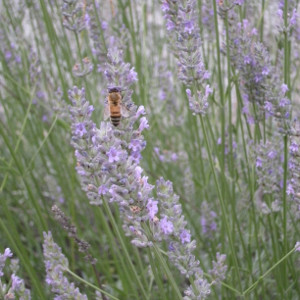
(115,120)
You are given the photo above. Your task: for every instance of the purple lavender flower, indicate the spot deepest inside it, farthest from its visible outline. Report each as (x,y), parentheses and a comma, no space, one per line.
(297,246)
(258,162)
(188,26)
(115,154)
(152,208)
(208,220)
(294,147)
(125,76)
(199,290)
(136,145)
(269,162)
(290,190)
(219,268)
(293,187)
(199,104)
(3,257)
(185,236)
(284,88)
(80,129)
(102,190)
(143,124)
(140,111)
(166,226)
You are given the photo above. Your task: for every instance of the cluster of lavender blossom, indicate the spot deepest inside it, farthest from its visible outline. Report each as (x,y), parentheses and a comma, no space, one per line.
(16,286)
(182,25)
(172,229)
(56,264)
(208,220)
(263,92)
(108,158)
(269,169)
(166,155)
(96,36)
(292,17)
(108,165)
(166,94)
(74,15)
(293,187)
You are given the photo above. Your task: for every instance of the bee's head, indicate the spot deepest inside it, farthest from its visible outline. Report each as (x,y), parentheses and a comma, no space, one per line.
(114,89)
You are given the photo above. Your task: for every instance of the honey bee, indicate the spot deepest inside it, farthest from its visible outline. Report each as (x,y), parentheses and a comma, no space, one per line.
(115,108)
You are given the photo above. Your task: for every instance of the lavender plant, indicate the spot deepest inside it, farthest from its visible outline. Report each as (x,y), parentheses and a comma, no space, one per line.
(209,209)
(118,177)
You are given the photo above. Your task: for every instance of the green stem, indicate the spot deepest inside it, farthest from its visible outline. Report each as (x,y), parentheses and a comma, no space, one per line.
(285,164)
(221,200)
(90,284)
(167,270)
(220,84)
(18,141)
(30,193)
(267,272)
(116,228)
(262,20)
(40,147)
(284,203)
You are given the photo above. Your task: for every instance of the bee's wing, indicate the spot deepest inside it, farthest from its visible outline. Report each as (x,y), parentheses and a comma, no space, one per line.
(125,112)
(106,112)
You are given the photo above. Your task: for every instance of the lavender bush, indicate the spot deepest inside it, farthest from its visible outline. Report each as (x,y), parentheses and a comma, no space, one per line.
(192,193)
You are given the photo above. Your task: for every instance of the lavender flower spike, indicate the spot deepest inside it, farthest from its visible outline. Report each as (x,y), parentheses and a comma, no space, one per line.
(181,246)
(182,24)
(199,104)
(18,288)
(108,158)
(56,263)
